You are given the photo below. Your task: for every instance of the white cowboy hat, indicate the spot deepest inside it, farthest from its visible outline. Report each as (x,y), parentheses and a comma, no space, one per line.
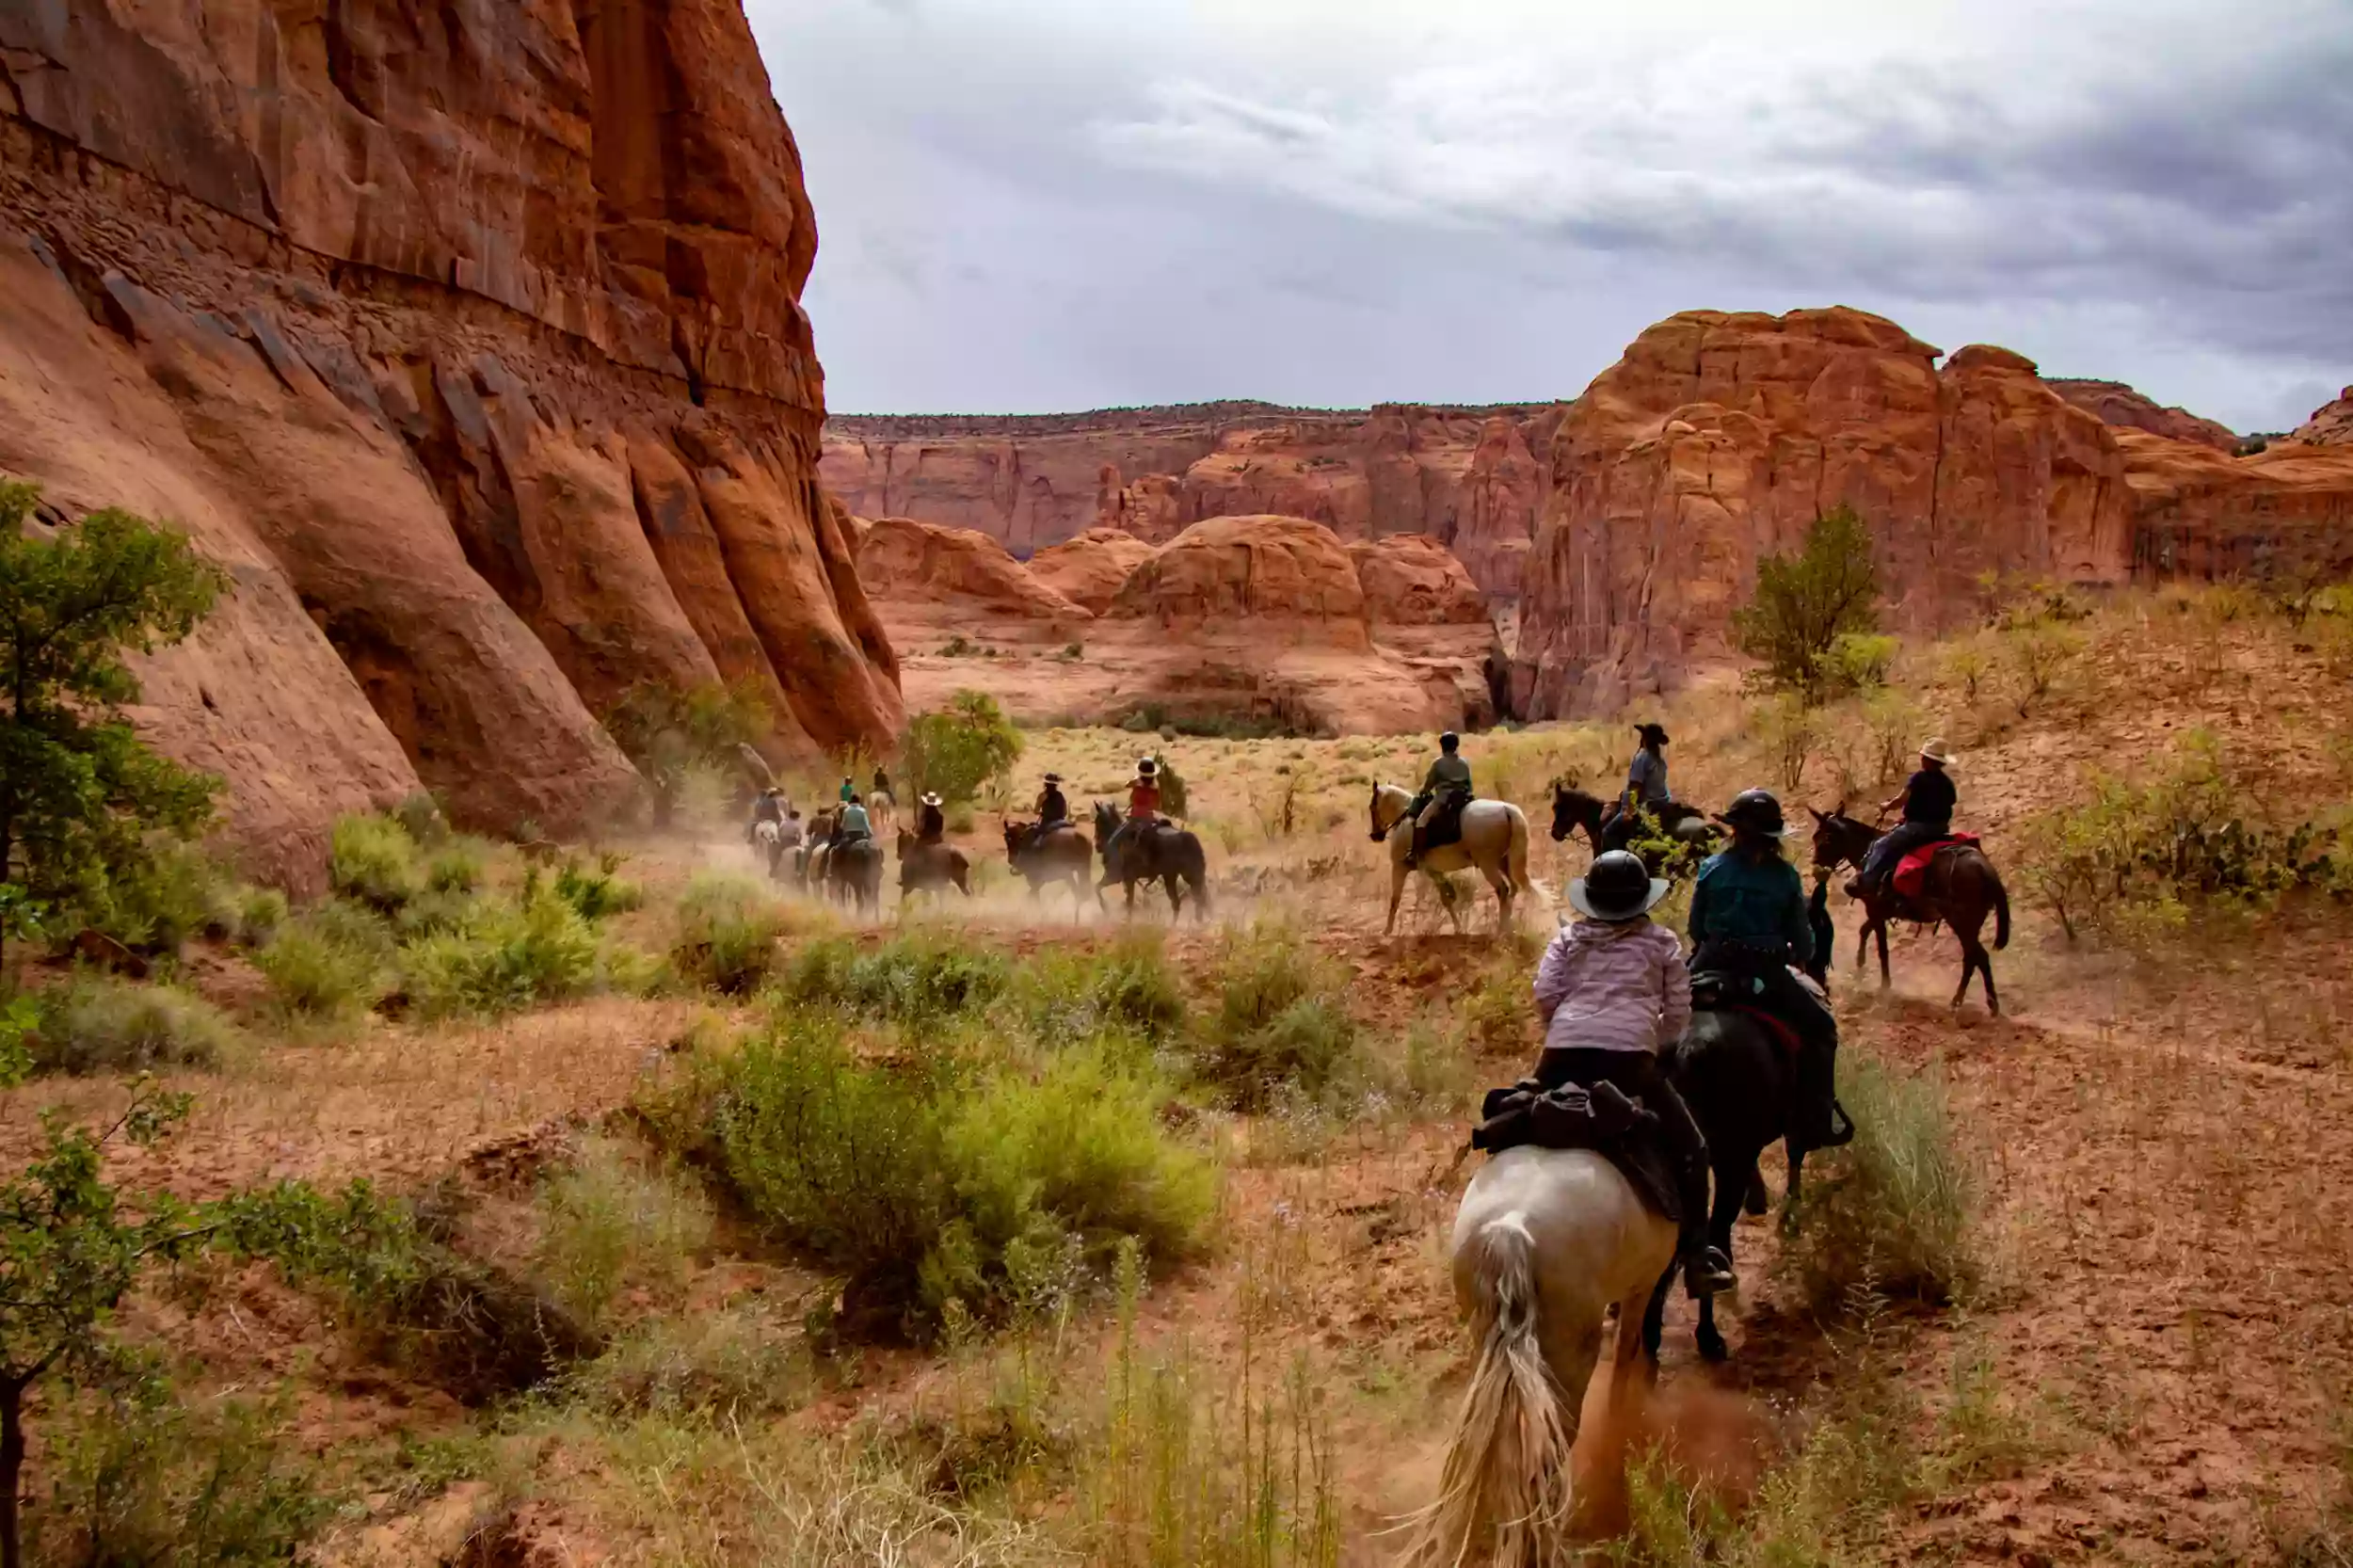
(1937,751)
(930,799)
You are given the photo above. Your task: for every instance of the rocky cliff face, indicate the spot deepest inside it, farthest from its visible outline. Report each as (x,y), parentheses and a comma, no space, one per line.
(1472,479)
(470,336)
(2331,424)
(2127,410)
(2204,515)
(1718,437)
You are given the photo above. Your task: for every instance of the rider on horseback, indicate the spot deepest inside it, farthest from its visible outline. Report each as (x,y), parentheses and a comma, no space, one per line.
(1053,809)
(851,823)
(1144,807)
(932,826)
(1750,923)
(1927,802)
(1447,789)
(1612,992)
(768,806)
(1645,788)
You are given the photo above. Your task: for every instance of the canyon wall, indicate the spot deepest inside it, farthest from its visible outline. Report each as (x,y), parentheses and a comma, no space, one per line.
(1471,478)
(468,336)
(1718,437)
(2126,408)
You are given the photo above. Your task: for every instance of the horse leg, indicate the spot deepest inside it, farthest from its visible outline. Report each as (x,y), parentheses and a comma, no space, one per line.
(1789,1198)
(1655,1317)
(1879,926)
(1176,897)
(1633,1361)
(1396,891)
(1732,1191)
(1756,1202)
(1502,885)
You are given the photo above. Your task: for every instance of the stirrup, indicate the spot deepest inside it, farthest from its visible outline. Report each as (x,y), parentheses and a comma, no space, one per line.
(1707,1273)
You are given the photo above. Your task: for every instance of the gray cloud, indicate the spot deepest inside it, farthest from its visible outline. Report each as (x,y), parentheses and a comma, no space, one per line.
(1052,205)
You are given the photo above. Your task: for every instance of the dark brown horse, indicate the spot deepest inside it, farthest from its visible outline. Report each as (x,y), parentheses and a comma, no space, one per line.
(1064,855)
(1961,888)
(926,867)
(1685,825)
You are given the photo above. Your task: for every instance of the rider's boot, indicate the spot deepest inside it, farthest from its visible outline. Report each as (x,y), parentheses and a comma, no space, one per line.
(1413,844)
(1817,1121)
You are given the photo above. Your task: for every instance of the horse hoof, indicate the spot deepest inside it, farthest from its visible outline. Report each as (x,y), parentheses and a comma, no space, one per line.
(1712,1347)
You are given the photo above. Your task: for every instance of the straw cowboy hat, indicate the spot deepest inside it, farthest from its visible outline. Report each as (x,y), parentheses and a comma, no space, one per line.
(1937,751)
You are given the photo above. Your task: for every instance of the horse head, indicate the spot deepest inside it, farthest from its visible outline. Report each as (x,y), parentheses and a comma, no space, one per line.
(1573,809)
(1839,839)
(1379,829)
(1017,833)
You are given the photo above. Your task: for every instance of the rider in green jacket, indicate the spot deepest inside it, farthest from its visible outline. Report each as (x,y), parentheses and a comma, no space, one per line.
(1447,787)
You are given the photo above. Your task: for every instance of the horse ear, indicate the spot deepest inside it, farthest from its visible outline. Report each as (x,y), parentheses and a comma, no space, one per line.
(1817,816)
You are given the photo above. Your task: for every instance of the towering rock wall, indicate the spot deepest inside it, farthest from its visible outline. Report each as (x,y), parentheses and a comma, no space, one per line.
(1718,437)
(468,335)
(2128,409)
(1471,478)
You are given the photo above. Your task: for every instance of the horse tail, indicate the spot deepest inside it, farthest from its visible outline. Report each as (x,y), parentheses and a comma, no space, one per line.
(1517,851)
(2001,908)
(1508,1461)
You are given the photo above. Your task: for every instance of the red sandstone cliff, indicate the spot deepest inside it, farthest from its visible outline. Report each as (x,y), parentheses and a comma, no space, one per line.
(2331,424)
(2127,410)
(1473,479)
(471,338)
(1718,437)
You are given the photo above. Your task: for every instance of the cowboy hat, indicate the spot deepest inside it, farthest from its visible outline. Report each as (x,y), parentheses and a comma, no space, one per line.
(1652,732)
(1937,751)
(1616,886)
(1147,767)
(930,799)
(1053,778)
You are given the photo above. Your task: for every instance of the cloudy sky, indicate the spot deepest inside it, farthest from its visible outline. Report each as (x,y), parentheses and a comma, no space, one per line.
(1032,205)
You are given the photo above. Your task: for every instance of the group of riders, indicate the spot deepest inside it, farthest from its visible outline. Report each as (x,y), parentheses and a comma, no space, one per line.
(1615,988)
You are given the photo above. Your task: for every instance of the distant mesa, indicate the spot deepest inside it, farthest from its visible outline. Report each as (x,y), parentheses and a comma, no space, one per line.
(2127,410)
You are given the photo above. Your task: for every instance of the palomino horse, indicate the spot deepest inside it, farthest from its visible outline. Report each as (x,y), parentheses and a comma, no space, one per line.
(1545,1242)
(1961,888)
(1064,855)
(882,812)
(1162,853)
(1494,838)
(773,839)
(928,868)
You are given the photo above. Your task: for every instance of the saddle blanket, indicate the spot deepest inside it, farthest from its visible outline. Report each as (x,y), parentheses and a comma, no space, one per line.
(1571,1117)
(1911,872)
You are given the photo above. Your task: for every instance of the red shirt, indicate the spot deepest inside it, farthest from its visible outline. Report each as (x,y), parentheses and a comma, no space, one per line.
(1143,800)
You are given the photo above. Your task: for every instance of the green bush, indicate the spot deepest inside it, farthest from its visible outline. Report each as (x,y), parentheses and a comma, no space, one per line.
(913,979)
(508,957)
(959,750)
(95,1024)
(598,892)
(457,864)
(139,1475)
(372,861)
(1891,1214)
(1078,994)
(608,1224)
(260,911)
(437,910)
(1811,604)
(156,902)
(681,739)
(1281,1022)
(928,1180)
(727,928)
(421,817)
(334,961)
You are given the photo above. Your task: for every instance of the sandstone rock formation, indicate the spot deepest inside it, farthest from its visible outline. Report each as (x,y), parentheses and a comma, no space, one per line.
(1261,619)
(1473,479)
(2126,408)
(469,337)
(1090,569)
(2331,424)
(957,581)
(1718,437)
(2201,514)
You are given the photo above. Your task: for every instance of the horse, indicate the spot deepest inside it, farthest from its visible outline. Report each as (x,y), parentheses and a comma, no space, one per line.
(882,810)
(927,868)
(1740,1082)
(1064,855)
(808,861)
(772,838)
(1493,837)
(1961,886)
(1545,1242)
(1682,823)
(854,875)
(1167,854)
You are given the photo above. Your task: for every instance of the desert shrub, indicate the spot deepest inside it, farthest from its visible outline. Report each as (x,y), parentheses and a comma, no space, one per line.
(678,738)
(959,750)
(333,960)
(928,1179)
(608,1223)
(1897,726)
(507,957)
(139,1475)
(737,1361)
(1860,661)
(421,817)
(596,892)
(260,911)
(2038,653)
(372,860)
(1967,665)
(1281,1021)
(1791,734)
(912,981)
(1127,987)
(727,928)
(96,1024)
(457,864)
(155,902)
(433,912)
(1806,603)
(1891,1214)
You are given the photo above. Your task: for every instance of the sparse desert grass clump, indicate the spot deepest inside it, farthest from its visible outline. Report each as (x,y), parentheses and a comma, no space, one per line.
(1128,987)
(738,1361)
(98,1024)
(928,1179)
(1282,1024)
(1893,1214)
(613,1221)
(728,931)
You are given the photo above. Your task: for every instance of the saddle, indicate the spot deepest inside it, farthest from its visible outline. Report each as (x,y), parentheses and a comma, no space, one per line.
(1911,876)
(1724,991)
(1446,826)
(1572,1116)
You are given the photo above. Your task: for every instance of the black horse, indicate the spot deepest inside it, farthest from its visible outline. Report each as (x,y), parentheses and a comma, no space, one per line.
(1167,854)
(1679,824)
(1740,1082)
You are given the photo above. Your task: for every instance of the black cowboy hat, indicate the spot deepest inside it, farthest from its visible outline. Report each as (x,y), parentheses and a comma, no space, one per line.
(1756,811)
(1616,886)
(1652,732)
(1053,778)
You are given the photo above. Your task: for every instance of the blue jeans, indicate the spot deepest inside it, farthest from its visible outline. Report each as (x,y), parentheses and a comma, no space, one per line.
(1893,846)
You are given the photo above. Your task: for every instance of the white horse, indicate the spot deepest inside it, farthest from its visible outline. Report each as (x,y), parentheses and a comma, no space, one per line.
(1494,838)
(1546,1242)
